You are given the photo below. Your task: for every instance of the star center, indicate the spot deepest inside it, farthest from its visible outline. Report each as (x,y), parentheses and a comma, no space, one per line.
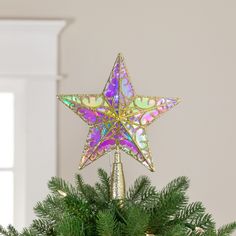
(120,118)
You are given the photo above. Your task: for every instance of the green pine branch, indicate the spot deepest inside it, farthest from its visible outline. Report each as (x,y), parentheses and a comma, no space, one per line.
(3,231)
(85,210)
(190,211)
(227,230)
(172,199)
(136,221)
(135,192)
(43,227)
(106,223)
(86,191)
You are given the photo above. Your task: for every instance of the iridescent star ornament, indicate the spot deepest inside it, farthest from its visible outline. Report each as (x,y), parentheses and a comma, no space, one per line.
(118,118)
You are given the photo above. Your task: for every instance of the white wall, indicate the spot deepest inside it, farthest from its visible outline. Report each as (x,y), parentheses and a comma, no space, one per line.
(172,48)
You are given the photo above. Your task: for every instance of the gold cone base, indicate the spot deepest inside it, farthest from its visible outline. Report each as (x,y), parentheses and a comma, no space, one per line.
(117,178)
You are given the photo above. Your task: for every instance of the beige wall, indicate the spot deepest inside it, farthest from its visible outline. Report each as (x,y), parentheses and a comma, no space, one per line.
(172,48)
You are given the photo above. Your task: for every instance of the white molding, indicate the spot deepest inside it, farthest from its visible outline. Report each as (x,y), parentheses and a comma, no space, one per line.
(6,169)
(29,47)
(31,77)
(27,26)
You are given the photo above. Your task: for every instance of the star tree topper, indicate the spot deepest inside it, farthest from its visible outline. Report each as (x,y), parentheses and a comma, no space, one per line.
(118,118)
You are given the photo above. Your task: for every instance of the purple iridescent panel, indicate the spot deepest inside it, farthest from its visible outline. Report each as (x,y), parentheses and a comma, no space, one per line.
(164,104)
(93,109)
(126,92)
(103,139)
(118,90)
(144,110)
(111,91)
(97,138)
(128,145)
(137,135)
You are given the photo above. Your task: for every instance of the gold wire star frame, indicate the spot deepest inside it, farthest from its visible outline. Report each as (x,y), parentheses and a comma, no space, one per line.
(118,118)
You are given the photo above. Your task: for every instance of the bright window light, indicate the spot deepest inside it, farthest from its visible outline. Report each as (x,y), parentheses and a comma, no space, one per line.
(6,198)
(6,130)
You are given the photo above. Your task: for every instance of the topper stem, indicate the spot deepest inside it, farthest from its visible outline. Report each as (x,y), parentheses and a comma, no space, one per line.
(117,178)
